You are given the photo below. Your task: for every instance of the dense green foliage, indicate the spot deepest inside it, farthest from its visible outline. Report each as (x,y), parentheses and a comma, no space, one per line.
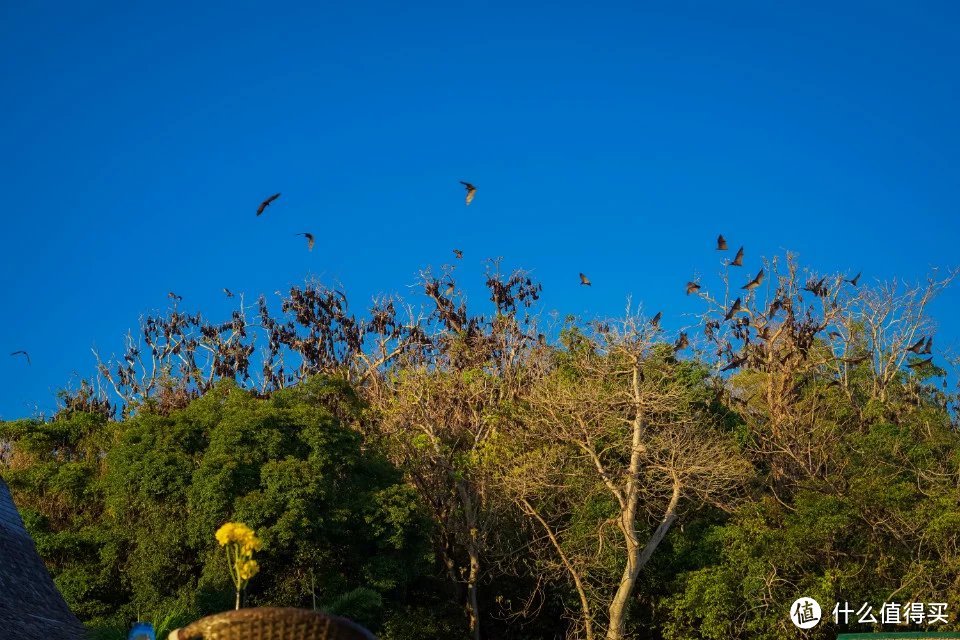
(124,512)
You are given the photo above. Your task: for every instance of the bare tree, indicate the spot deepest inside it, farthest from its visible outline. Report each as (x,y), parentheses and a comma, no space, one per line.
(176,356)
(614,405)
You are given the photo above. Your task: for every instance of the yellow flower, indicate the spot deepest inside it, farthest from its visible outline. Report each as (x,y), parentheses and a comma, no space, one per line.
(225,533)
(248,569)
(239,542)
(238,533)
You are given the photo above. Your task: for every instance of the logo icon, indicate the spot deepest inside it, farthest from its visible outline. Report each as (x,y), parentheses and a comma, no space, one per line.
(805,613)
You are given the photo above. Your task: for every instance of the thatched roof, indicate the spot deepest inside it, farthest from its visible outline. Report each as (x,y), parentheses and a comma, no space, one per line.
(31,608)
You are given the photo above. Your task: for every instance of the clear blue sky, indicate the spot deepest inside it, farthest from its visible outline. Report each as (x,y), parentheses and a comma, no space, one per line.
(138,141)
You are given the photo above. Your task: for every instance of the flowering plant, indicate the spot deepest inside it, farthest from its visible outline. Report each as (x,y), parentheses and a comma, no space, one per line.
(239,542)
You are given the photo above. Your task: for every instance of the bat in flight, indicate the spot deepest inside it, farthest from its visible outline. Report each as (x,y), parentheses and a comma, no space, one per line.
(458,254)
(917,346)
(753,284)
(174,296)
(266,203)
(691,287)
(22,353)
(735,363)
(738,259)
(733,309)
(471,191)
(584,281)
(309,237)
(854,279)
(228,293)
(721,243)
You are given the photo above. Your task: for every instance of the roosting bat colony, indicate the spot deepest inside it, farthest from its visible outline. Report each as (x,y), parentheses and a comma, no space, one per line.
(317,333)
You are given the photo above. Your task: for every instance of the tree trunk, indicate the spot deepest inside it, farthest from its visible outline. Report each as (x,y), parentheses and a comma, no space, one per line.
(473,552)
(473,607)
(238,598)
(636,559)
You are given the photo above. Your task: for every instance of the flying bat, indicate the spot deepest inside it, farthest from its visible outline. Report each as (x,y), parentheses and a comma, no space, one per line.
(920,363)
(309,237)
(816,287)
(471,191)
(655,321)
(854,280)
(721,243)
(735,363)
(738,259)
(22,353)
(927,347)
(682,342)
(691,287)
(775,306)
(917,347)
(458,254)
(228,293)
(733,309)
(174,296)
(266,203)
(753,284)
(584,281)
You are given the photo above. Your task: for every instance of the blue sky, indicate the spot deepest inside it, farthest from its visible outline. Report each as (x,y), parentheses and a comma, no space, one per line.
(617,140)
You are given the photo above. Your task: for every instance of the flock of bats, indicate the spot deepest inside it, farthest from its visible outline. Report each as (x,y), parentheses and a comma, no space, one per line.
(922,347)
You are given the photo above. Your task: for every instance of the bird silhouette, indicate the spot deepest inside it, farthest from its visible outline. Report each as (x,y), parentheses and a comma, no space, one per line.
(309,237)
(753,284)
(22,353)
(927,348)
(854,279)
(917,347)
(738,259)
(655,321)
(458,254)
(174,296)
(584,281)
(228,293)
(266,203)
(920,363)
(733,309)
(471,191)
(691,287)
(721,243)
(682,342)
